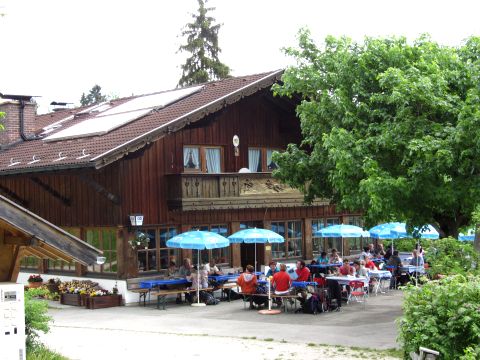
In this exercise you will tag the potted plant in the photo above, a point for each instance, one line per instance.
(140, 240)
(35, 281)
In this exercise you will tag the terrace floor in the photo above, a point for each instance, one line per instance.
(188, 332)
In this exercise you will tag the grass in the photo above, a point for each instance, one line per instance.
(43, 353)
(268, 339)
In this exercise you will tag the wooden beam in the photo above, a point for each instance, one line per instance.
(65, 200)
(53, 253)
(37, 253)
(16, 268)
(11, 195)
(20, 240)
(16, 249)
(100, 189)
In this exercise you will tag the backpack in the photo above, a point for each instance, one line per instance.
(312, 305)
(260, 300)
(232, 294)
(208, 298)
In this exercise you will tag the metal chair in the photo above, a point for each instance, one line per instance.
(357, 292)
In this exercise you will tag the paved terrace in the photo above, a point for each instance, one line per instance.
(135, 330)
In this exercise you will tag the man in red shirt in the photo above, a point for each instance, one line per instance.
(282, 281)
(303, 273)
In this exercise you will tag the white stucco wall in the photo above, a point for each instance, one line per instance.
(107, 284)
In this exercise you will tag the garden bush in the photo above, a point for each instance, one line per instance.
(449, 256)
(406, 244)
(443, 315)
(36, 318)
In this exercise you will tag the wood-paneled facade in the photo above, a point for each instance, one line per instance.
(151, 181)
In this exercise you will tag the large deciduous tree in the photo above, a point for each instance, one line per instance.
(389, 127)
(203, 64)
(93, 97)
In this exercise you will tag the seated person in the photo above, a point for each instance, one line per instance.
(365, 253)
(334, 257)
(360, 269)
(417, 260)
(199, 278)
(272, 268)
(282, 281)
(172, 269)
(396, 262)
(323, 258)
(370, 265)
(303, 272)
(380, 250)
(213, 268)
(346, 269)
(248, 283)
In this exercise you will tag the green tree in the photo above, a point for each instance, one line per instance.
(95, 96)
(202, 43)
(389, 127)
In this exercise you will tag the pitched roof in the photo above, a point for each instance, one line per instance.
(100, 150)
(44, 239)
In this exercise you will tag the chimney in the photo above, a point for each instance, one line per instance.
(19, 119)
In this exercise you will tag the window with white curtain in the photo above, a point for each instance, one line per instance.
(212, 156)
(255, 160)
(270, 163)
(191, 158)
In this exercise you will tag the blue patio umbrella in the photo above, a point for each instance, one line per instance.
(469, 236)
(256, 236)
(384, 231)
(198, 240)
(342, 231)
(400, 231)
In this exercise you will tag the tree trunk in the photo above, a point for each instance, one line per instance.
(476, 243)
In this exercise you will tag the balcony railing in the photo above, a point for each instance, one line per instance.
(199, 191)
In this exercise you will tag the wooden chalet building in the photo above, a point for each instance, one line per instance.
(168, 156)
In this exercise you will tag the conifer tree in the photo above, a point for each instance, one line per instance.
(202, 43)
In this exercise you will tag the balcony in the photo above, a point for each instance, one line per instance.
(200, 191)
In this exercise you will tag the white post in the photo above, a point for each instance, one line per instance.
(269, 295)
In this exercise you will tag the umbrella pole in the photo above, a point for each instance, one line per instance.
(255, 257)
(198, 282)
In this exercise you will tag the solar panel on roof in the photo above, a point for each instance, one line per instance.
(122, 114)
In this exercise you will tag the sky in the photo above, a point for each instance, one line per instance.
(58, 49)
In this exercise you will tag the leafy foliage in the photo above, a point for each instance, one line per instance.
(36, 318)
(42, 353)
(202, 43)
(449, 256)
(406, 244)
(2, 115)
(389, 127)
(443, 315)
(94, 96)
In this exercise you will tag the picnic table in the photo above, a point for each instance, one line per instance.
(345, 280)
(148, 284)
(324, 266)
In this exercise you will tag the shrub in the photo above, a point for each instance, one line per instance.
(449, 256)
(406, 244)
(36, 318)
(444, 316)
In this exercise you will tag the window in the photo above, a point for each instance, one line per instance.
(157, 256)
(318, 242)
(221, 255)
(355, 244)
(260, 159)
(106, 240)
(292, 247)
(30, 262)
(202, 159)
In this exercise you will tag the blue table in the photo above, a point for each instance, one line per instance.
(148, 284)
(378, 260)
(223, 278)
(412, 269)
(325, 266)
(300, 284)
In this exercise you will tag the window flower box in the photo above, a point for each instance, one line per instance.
(72, 299)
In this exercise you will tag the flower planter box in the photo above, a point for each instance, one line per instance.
(72, 299)
(100, 302)
(35, 284)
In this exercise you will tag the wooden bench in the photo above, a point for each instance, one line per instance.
(273, 296)
(133, 285)
(162, 295)
(226, 286)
